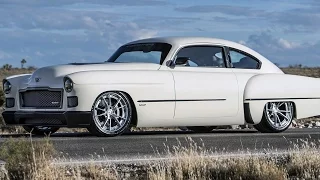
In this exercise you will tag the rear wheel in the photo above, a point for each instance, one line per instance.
(111, 114)
(277, 117)
(202, 129)
(40, 130)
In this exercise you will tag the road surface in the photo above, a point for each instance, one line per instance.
(83, 146)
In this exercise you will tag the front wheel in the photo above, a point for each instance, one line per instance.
(111, 114)
(201, 129)
(40, 130)
(277, 117)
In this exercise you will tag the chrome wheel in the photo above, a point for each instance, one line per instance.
(279, 114)
(111, 113)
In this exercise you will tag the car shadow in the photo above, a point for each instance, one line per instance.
(135, 133)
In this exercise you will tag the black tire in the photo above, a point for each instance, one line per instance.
(40, 130)
(95, 130)
(265, 125)
(201, 129)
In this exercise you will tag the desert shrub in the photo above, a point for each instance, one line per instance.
(25, 158)
(31, 68)
(7, 67)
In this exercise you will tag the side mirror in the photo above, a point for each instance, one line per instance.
(182, 61)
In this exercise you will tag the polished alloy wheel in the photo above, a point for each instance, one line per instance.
(111, 112)
(279, 114)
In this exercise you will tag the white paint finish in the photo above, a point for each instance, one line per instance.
(142, 85)
(282, 86)
(307, 107)
(145, 81)
(208, 84)
(16, 82)
(256, 110)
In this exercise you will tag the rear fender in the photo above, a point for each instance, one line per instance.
(304, 92)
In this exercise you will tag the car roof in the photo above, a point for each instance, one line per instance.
(184, 40)
(181, 40)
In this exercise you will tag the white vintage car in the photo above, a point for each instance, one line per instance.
(198, 83)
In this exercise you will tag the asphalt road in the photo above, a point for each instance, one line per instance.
(83, 146)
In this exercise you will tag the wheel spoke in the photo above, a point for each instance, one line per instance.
(100, 109)
(283, 116)
(105, 102)
(117, 102)
(109, 100)
(105, 123)
(284, 111)
(122, 106)
(280, 104)
(277, 117)
(103, 114)
(116, 120)
(116, 116)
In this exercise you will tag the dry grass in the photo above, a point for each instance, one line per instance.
(194, 162)
(33, 160)
(310, 72)
(14, 71)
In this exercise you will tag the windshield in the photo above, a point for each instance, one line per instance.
(142, 53)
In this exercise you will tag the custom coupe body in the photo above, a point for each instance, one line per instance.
(195, 82)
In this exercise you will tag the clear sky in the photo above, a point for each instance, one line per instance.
(65, 31)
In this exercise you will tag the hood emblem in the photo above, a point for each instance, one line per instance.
(37, 79)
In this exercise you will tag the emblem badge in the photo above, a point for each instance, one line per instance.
(37, 79)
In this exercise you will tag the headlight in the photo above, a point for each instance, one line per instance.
(68, 84)
(6, 87)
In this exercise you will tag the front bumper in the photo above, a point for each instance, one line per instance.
(71, 119)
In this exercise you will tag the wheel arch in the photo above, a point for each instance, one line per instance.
(253, 110)
(295, 114)
(134, 120)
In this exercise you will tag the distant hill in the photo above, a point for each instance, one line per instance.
(311, 72)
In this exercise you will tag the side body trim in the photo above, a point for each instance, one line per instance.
(182, 100)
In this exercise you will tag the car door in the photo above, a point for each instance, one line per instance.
(204, 87)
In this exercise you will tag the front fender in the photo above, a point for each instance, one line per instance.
(16, 82)
(139, 85)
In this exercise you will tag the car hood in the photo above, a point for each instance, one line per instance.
(53, 75)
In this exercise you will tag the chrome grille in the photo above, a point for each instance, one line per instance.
(41, 99)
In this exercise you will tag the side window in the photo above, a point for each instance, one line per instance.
(203, 56)
(243, 61)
